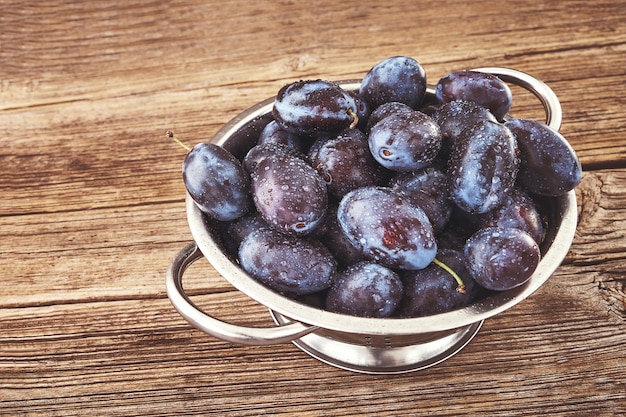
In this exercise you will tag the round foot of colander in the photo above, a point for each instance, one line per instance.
(388, 359)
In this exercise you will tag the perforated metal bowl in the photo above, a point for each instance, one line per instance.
(368, 345)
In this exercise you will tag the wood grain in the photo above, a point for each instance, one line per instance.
(92, 208)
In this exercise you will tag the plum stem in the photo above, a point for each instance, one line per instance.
(172, 136)
(461, 285)
(352, 114)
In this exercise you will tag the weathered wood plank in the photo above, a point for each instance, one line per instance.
(101, 351)
(126, 250)
(122, 144)
(88, 161)
(115, 354)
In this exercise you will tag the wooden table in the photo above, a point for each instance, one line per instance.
(92, 207)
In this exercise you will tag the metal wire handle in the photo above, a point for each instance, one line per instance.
(215, 327)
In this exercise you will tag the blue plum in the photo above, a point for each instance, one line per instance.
(365, 289)
(501, 258)
(549, 165)
(314, 107)
(288, 264)
(289, 194)
(217, 182)
(405, 141)
(481, 88)
(387, 228)
(398, 78)
(483, 166)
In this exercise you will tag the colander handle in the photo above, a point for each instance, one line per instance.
(211, 325)
(551, 103)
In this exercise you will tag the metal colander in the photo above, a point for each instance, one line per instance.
(368, 345)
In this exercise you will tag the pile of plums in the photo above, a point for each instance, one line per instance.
(387, 201)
